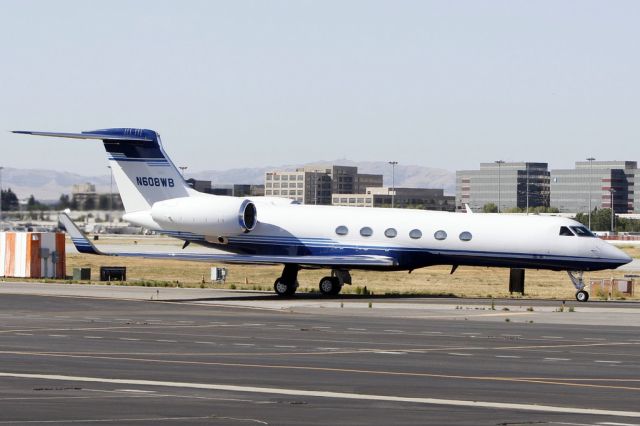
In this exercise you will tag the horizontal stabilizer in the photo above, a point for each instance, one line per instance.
(87, 135)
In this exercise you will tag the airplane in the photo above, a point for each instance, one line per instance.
(273, 230)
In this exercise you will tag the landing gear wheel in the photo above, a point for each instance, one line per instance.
(582, 296)
(284, 289)
(330, 286)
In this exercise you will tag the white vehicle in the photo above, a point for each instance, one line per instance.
(271, 230)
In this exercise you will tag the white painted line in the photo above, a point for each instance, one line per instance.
(206, 343)
(459, 354)
(511, 335)
(243, 344)
(284, 346)
(128, 338)
(57, 335)
(432, 332)
(357, 329)
(252, 324)
(607, 362)
(552, 337)
(166, 341)
(92, 337)
(117, 319)
(334, 395)
(557, 359)
(594, 338)
(394, 331)
(24, 334)
(328, 349)
(185, 322)
(508, 356)
(284, 325)
(134, 390)
(618, 424)
(390, 353)
(321, 328)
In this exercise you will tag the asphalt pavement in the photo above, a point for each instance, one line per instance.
(89, 355)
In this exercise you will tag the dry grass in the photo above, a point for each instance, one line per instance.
(466, 282)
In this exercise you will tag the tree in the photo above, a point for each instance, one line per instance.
(103, 202)
(89, 204)
(9, 200)
(490, 208)
(63, 202)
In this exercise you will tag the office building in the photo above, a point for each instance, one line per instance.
(507, 185)
(571, 189)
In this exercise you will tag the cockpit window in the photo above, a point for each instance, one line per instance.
(581, 231)
(566, 232)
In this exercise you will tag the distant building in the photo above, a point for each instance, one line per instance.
(85, 197)
(236, 190)
(422, 198)
(571, 188)
(317, 184)
(507, 185)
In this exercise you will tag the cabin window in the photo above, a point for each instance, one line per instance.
(342, 230)
(366, 231)
(465, 236)
(440, 235)
(390, 233)
(581, 231)
(415, 234)
(565, 232)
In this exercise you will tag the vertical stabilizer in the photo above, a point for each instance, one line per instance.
(142, 170)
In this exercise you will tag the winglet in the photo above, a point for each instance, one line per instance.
(467, 208)
(80, 240)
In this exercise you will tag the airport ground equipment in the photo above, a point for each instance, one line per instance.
(32, 254)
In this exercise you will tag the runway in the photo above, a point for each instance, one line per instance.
(245, 358)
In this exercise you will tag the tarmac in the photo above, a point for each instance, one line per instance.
(89, 354)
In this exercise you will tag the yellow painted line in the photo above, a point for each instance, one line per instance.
(542, 380)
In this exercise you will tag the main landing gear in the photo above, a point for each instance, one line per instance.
(287, 283)
(331, 286)
(576, 278)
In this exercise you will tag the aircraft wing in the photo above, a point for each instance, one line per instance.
(84, 245)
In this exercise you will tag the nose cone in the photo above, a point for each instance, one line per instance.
(616, 256)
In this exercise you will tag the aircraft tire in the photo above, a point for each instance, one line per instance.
(582, 296)
(284, 289)
(330, 286)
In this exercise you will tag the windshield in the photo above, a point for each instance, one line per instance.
(582, 231)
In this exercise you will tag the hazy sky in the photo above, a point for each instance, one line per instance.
(253, 83)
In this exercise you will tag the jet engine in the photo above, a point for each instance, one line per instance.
(218, 216)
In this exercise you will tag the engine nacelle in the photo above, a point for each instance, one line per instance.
(217, 216)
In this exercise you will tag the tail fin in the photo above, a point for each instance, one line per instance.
(142, 170)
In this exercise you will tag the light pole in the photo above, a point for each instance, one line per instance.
(315, 187)
(110, 193)
(527, 170)
(590, 160)
(499, 163)
(612, 191)
(393, 183)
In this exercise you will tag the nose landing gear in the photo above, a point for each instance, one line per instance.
(576, 278)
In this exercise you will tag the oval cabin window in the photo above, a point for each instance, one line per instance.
(440, 235)
(342, 230)
(465, 236)
(390, 233)
(415, 234)
(366, 231)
